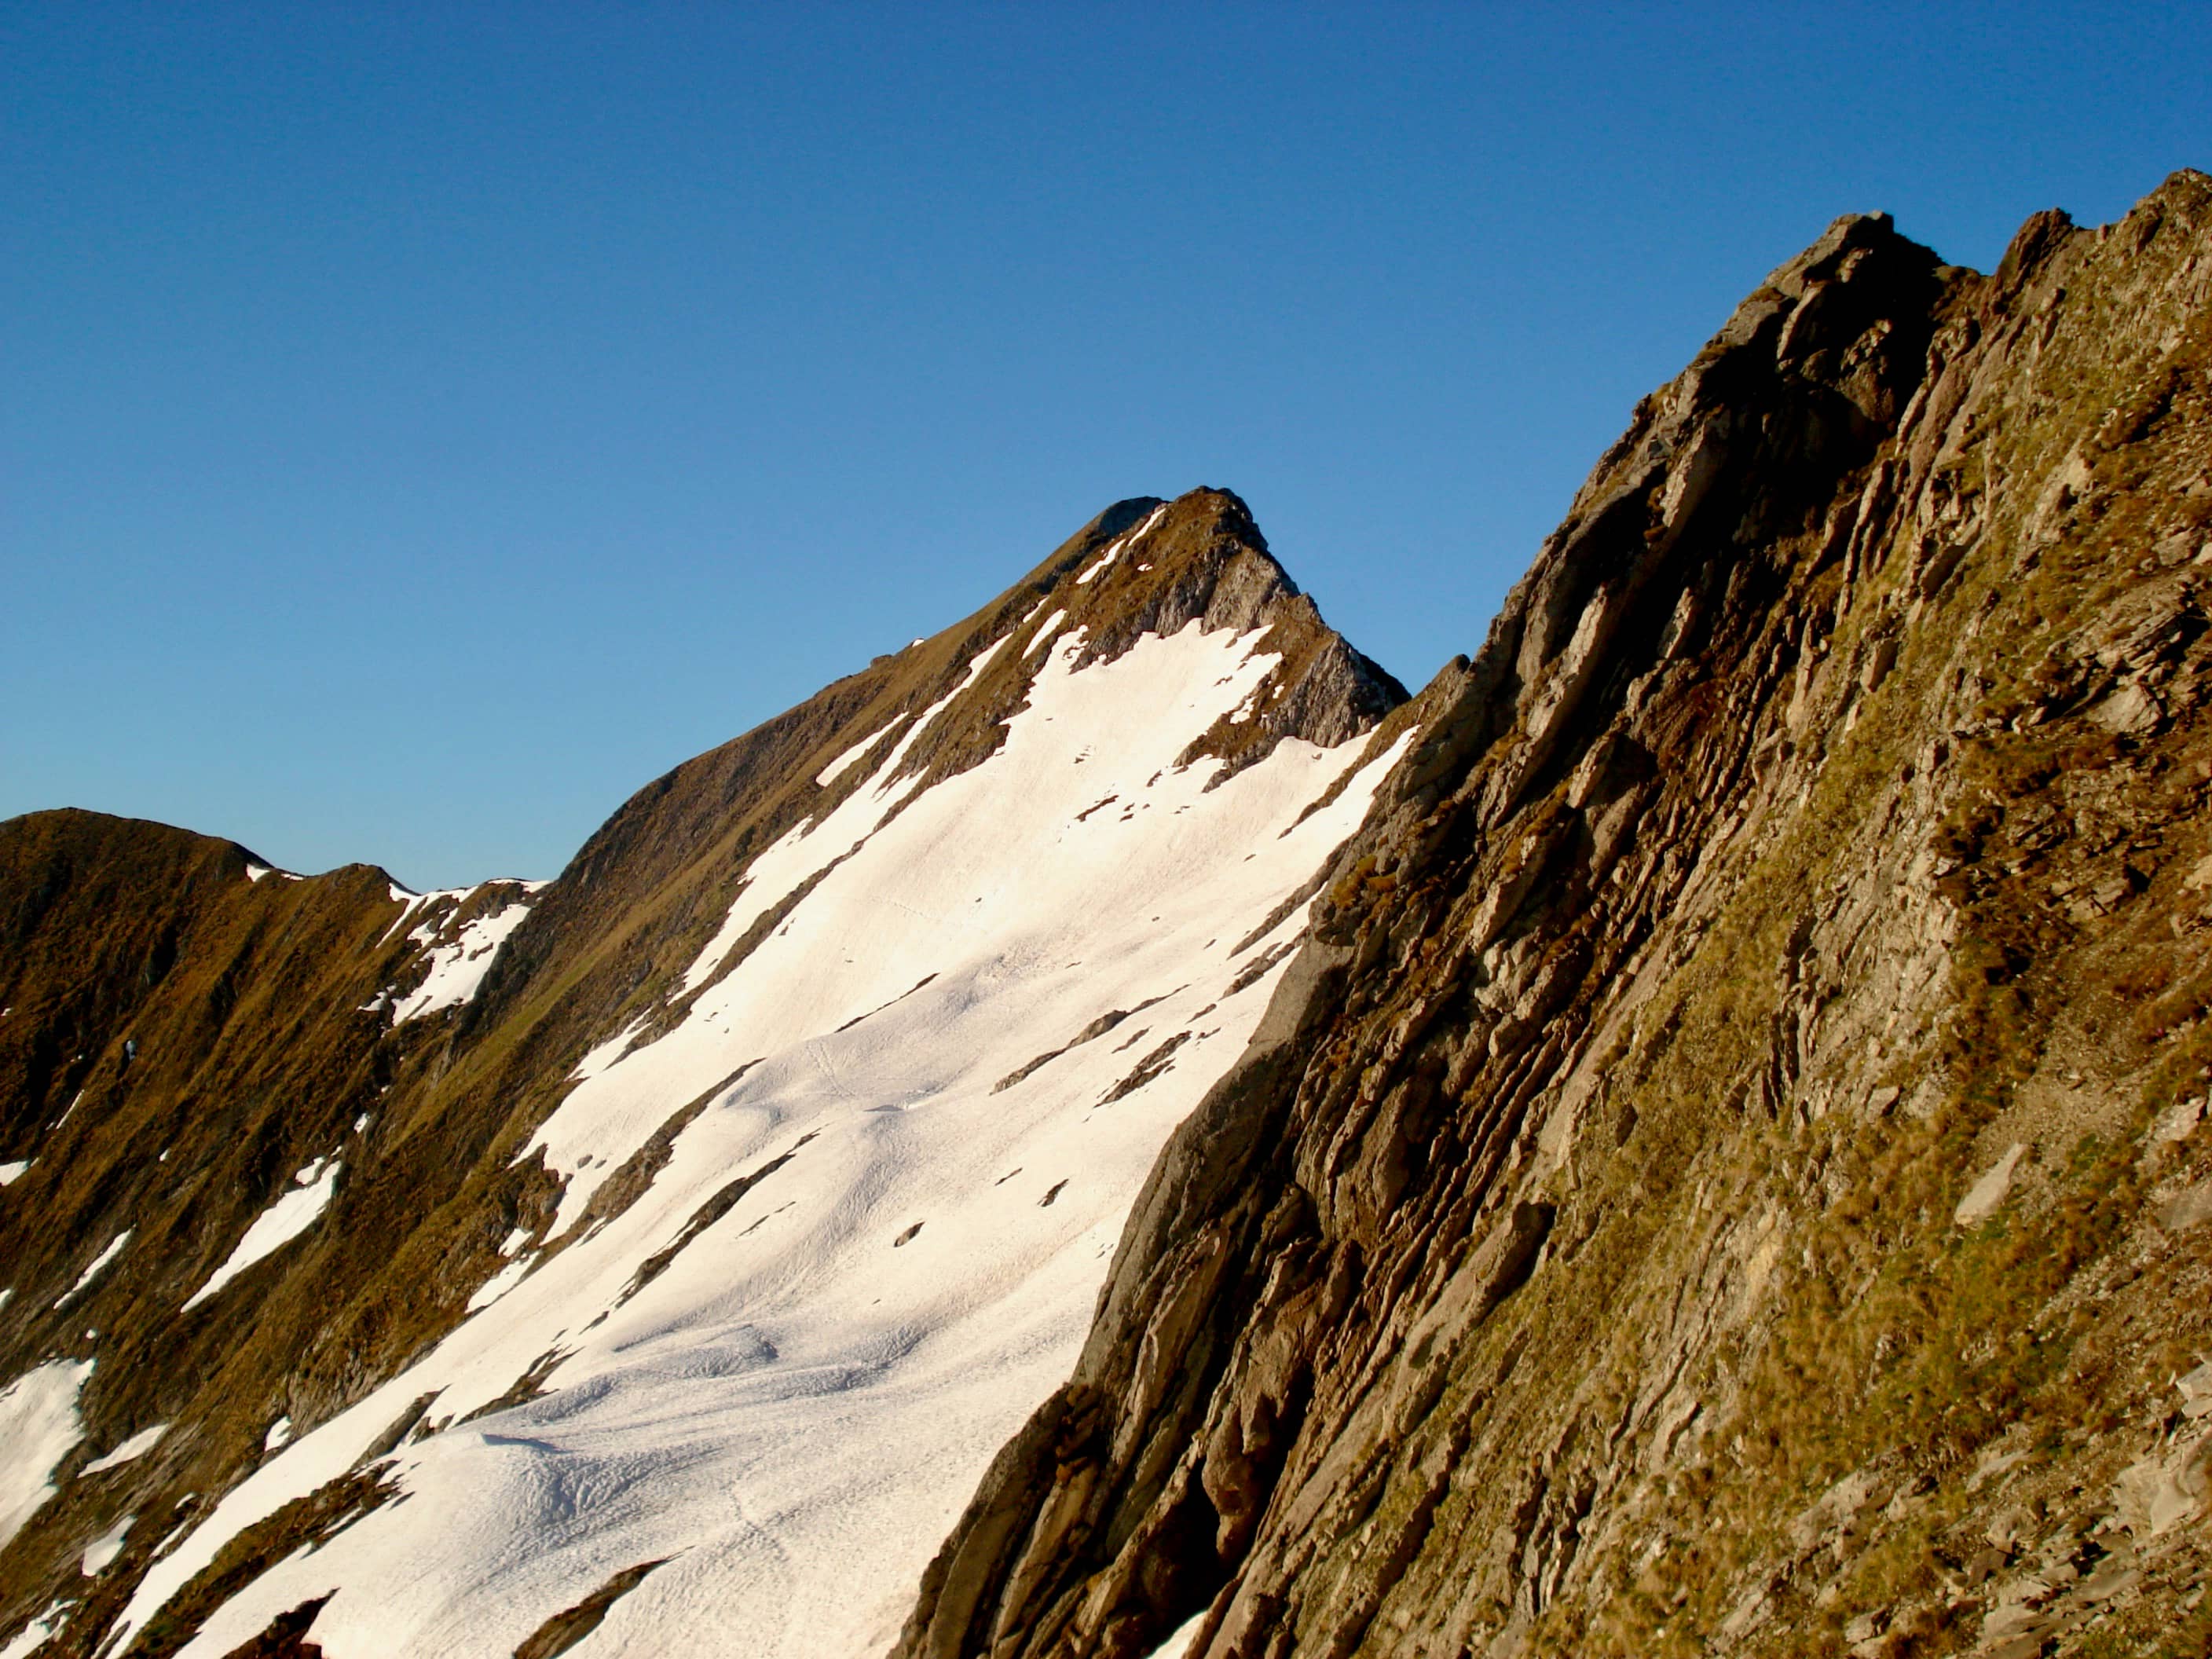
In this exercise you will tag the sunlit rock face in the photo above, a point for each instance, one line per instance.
(1724, 1173)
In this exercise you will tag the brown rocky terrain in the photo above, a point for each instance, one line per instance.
(1726, 1173)
(183, 1037)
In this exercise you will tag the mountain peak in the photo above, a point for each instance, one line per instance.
(794, 1073)
(1145, 567)
(1200, 558)
(1153, 564)
(657, 874)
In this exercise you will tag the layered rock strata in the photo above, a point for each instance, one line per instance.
(1726, 1172)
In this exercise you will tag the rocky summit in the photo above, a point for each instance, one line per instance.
(1112, 1132)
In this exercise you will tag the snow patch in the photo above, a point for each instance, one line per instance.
(169, 1540)
(1044, 634)
(1115, 550)
(135, 1447)
(845, 763)
(291, 1214)
(101, 1553)
(458, 969)
(99, 1264)
(35, 1635)
(1105, 562)
(408, 903)
(39, 1425)
(12, 1173)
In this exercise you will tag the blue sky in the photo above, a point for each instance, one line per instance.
(424, 425)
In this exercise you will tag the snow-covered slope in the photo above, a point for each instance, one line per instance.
(814, 1216)
(791, 1411)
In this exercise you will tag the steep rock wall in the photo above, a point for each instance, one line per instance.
(1723, 1175)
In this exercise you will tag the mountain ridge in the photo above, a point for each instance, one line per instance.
(1465, 1315)
(375, 1180)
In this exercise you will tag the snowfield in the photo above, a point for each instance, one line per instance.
(40, 1426)
(782, 1371)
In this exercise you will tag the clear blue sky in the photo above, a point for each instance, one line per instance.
(421, 425)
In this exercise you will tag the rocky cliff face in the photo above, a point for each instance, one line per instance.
(1725, 1173)
(684, 1233)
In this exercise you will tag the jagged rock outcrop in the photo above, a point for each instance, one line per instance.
(1725, 1173)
